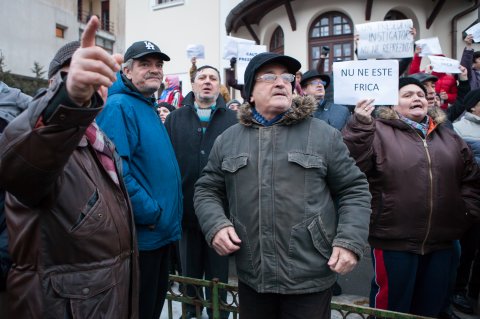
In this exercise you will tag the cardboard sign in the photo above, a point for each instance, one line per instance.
(385, 39)
(475, 31)
(366, 79)
(231, 50)
(245, 53)
(195, 50)
(442, 64)
(429, 46)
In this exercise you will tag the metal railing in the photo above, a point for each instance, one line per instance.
(105, 24)
(178, 293)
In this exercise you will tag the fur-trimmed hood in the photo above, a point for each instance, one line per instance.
(387, 113)
(302, 108)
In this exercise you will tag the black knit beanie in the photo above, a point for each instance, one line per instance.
(471, 99)
(403, 81)
(62, 57)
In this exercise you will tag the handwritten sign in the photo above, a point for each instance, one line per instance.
(195, 50)
(442, 64)
(230, 49)
(475, 31)
(385, 39)
(371, 79)
(245, 53)
(429, 46)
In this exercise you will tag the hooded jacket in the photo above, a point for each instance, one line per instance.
(192, 146)
(71, 232)
(280, 182)
(150, 168)
(424, 190)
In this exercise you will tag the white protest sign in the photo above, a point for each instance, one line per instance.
(195, 50)
(230, 49)
(245, 53)
(429, 46)
(385, 39)
(366, 79)
(475, 31)
(442, 64)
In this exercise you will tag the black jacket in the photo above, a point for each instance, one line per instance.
(192, 147)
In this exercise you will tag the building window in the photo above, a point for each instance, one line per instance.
(106, 44)
(331, 32)
(277, 41)
(160, 4)
(60, 31)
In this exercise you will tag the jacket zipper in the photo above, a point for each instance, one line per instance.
(430, 213)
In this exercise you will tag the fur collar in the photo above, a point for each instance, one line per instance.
(302, 108)
(387, 113)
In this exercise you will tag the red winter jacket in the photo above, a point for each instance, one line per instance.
(446, 82)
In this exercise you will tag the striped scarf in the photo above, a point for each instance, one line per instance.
(422, 126)
(96, 138)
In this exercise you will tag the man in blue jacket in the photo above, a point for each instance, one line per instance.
(315, 84)
(150, 169)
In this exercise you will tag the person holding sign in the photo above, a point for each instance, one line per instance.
(425, 189)
(289, 245)
(314, 84)
(471, 60)
(72, 236)
(446, 85)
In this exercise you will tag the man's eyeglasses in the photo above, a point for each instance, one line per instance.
(317, 82)
(270, 78)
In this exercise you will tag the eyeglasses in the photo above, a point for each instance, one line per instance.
(317, 82)
(270, 77)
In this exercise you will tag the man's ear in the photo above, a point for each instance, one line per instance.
(252, 100)
(127, 73)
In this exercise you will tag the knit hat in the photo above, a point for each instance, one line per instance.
(471, 99)
(62, 57)
(265, 58)
(166, 105)
(313, 74)
(404, 81)
(233, 101)
(141, 48)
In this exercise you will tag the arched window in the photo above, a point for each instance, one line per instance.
(394, 15)
(277, 41)
(332, 31)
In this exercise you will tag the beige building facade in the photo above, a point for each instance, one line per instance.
(33, 30)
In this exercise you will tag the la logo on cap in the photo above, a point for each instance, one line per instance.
(149, 45)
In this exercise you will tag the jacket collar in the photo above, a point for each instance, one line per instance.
(387, 113)
(302, 108)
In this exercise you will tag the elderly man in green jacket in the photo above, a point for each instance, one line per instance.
(299, 207)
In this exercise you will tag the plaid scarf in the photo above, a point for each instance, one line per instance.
(96, 138)
(422, 126)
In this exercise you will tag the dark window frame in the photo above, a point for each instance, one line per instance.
(277, 41)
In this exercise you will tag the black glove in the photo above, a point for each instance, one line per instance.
(233, 61)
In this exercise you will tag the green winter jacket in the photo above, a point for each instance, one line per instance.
(293, 194)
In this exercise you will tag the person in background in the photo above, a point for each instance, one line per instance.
(233, 105)
(193, 129)
(467, 283)
(70, 222)
(172, 93)
(446, 85)
(150, 168)
(471, 60)
(289, 246)
(425, 188)
(163, 109)
(314, 84)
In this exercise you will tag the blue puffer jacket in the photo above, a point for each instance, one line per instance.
(150, 169)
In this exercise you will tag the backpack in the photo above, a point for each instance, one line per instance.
(12, 103)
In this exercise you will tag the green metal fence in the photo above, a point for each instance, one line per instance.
(178, 293)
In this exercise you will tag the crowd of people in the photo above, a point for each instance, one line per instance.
(107, 178)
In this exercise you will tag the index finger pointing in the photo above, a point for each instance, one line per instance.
(88, 36)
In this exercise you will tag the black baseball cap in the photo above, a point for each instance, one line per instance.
(262, 59)
(423, 77)
(141, 48)
(314, 74)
